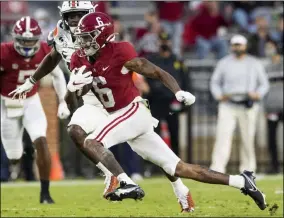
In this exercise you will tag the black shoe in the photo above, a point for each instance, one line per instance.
(46, 199)
(126, 191)
(251, 190)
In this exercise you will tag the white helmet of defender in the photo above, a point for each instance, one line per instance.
(74, 6)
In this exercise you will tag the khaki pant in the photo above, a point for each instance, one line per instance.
(229, 115)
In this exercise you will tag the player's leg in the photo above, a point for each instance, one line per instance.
(11, 136)
(245, 182)
(85, 120)
(151, 147)
(182, 193)
(34, 121)
(175, 167)
(119, 127)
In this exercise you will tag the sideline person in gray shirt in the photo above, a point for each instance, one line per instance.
(238, 83)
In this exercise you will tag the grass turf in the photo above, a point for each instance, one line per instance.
(84, 198)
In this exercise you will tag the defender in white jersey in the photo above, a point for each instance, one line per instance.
(83, 120)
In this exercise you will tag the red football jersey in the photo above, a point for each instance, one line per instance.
(15, 69)
(112, 83)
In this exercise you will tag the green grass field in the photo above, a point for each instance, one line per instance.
(83, 198)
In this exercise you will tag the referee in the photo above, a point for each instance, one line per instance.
(238, 83)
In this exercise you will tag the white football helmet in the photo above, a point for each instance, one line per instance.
(74, 6)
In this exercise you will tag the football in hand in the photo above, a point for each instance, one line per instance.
(86, 88)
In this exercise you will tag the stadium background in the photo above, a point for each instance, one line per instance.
(197, 124)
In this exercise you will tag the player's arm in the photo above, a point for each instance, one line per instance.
(77, 81)
(47, 65)
(150, 70)
(72, 101)
(59, 85)
(50, 61)
(70, 97)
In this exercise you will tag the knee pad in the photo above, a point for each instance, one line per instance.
(14, 154)
(37, 134)
(169, 168)
(13, 148)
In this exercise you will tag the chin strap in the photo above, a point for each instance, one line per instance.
(72, 29)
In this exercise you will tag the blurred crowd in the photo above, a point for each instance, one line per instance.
(198, 28)
(174, 31)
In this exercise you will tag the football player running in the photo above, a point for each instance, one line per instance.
(19, 59)
(83, 120)
(111, 65)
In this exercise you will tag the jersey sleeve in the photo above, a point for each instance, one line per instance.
(73, 62)
(50, 38)
(126, 52)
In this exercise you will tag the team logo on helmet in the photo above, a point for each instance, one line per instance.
(73, 4)
(26, 33)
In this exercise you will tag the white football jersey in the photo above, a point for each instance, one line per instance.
(61, 40)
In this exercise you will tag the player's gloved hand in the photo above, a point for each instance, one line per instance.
(186, 97)
(22, 90)
(79, 79)
(63, 111)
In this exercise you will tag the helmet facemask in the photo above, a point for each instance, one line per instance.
(26, 46)
(87, 43)
(65, 19)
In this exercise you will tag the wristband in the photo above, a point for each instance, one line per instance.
(32, 80)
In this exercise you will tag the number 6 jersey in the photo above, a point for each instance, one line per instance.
(15, 69)
(112, 83)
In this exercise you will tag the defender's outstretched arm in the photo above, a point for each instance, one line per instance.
(47, 65)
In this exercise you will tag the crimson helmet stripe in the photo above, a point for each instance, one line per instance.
(28, 24)
(73, 4)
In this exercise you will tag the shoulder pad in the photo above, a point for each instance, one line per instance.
(54, 33)
(50, 38)
(58, 30)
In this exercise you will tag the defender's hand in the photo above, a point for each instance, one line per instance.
(79, 79)
(63, 111)
(186, 97)
(22, 90)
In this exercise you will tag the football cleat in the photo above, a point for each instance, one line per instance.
(186, 203)
(126, 191)
(251, 190)
(46, 199)
(111, 183)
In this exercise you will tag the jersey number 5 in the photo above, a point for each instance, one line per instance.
(105, 94)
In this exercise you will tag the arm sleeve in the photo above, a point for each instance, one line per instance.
(73, 62)
(59, 83)
(216, 82)
(263, 82)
